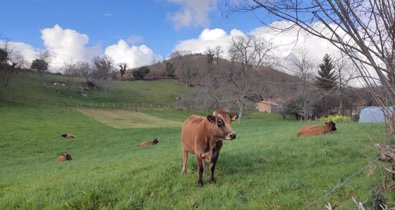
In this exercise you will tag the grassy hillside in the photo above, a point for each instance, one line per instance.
(28, 88)
(266, 167)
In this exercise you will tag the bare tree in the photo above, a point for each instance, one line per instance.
(210, 53)
(104, 68)
(233, 85)
(363, 29)
(345, 73)
(188, 71)
(122, 69)
(8, 67)
(70, 70)
(218, 53)
(214, 54)
(304, 70)
(84, 70)
(248, 53)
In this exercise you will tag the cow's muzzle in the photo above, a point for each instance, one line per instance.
(231, 136)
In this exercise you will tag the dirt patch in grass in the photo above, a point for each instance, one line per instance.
(128, 119)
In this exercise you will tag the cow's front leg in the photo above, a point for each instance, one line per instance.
(213, 161)
(200, 169)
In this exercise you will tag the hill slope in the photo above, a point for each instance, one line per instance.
(28, 88)
(283, 84)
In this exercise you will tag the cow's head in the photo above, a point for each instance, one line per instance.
(332, 125)
(155, 141)
(221, 124)
(67, 156)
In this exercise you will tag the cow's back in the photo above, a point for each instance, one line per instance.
(313, 130)
(189, 131)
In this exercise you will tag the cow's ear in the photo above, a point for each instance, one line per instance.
(211, 118)
(233, 116)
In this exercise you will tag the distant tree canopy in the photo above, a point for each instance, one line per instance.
(8, 68)
(140, 73)
(3, 56)
(327, 78)
(170, 69)
(40, 65)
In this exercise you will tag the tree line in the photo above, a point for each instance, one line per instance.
(236, 82)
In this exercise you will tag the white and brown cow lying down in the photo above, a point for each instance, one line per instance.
(147, 143)
(68, 136)
(203, 137)
(315, 130)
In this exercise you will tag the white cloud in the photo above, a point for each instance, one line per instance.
(208, 39)
(67, 46)
(284, 43)
(292, 38)
(134, 56)
(21, 49)
(193, 13)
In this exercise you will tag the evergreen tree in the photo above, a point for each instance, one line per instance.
(327, 78)
(140, 73)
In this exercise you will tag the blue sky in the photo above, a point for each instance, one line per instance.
(105, 22)
(139, 32)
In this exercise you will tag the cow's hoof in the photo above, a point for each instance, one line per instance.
(200, 183)
(212, 181)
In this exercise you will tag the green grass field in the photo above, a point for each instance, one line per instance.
(266, 167)
(128, 119)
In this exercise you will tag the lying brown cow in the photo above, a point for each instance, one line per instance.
(312, 130)
(63, 157)
(147, 143)
(203, 137)
(68, 136)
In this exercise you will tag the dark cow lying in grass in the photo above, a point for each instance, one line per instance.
(147, 143)
(315, 130)
(68, 136)
(63, 157)
(203, 137)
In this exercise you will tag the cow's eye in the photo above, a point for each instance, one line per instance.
(220, 123)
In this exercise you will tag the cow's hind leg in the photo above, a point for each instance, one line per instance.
(184, 162)
(213, 161)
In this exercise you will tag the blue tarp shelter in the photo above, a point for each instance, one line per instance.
(372, 114)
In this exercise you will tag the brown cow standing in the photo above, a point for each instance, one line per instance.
(203, 137)
(312, 130)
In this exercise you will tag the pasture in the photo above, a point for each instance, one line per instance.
(266, 167)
